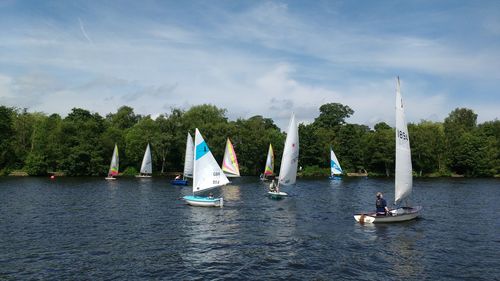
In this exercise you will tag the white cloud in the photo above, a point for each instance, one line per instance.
(264, 60)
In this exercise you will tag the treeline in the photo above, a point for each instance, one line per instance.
(82, 142)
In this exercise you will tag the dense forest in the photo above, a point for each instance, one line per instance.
(82, 142)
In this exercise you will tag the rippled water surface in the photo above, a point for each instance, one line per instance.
(90, 229)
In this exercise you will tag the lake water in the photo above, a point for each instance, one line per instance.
(91, 229)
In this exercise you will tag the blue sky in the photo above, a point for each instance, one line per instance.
(252, 57)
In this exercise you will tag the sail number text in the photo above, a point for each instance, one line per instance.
(216, 177)
(402, 135)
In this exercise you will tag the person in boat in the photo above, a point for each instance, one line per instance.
(381, 205)
(178, 177)
(272, 186)
(210, 195)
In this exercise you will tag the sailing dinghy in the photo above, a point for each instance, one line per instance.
(335, 169)
(188, 163)
(113, 167)
(230, 165)
(146, 166)
(269, 168)
(404, 181)
(289, 160)
(206, 175)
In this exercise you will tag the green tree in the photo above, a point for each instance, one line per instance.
(316, 142)
(251, 139)
(169, 142)
(212, 123)
(491, 130)
(36, 165)
(44, 144)
(459, 122)
(82, 132)
(7, 155)
(380, 149)
(23, 130)
(427, 143)
(124, 118)
(332, 115)
(349, 147)
(137, 138)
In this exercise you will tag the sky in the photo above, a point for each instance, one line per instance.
(267, 58)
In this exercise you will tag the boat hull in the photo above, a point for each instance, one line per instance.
(277, 195)
(202, 201)
(143, 176)
(110, 178)
(396, 215)
(179, 182)
(335, 177)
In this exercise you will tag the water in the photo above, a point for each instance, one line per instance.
(91, 229)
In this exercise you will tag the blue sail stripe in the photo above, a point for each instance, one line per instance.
(201, 150)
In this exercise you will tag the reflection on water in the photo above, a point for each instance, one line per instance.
(405, 256)
(231, 192)
(203, 233)
(139, 229)
(398, 244)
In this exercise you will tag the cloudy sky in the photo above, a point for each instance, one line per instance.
(252, 57)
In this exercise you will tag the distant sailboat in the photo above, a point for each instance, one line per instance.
(230, 162)
(206, 175)
(146, 166)
(404, 181)
(289, 160)
(188, 163)
(269, 168)
(335, 169)
(113, 167)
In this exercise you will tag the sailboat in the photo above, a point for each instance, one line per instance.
(335, 169)
(404, 181)
(206, 175)
(289, 160)
(146, 166)
(269, 168)
(188, 163)
(230, 162)
(113, 167)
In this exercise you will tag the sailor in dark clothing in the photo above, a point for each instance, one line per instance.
(381, 205)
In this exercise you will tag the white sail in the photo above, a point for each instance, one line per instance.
(403, 183)
(334, 164)
(146, 166)
(230, 162)
(206, 173)
(290, 158)
(113, 167)
(188, 159)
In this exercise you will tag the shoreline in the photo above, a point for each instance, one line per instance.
(170, 174)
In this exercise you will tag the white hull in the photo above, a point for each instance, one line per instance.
(397, 215)
(110, 178)
(204, 202)
(277, 194)
(143, 176)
